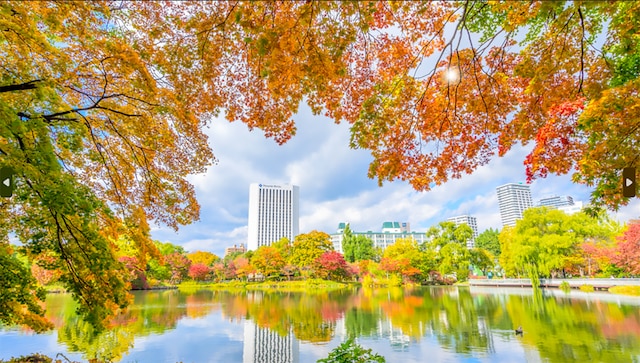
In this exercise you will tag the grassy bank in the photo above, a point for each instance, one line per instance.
(625, 290)
(302, 285)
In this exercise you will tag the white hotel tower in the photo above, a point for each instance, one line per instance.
(273, 214)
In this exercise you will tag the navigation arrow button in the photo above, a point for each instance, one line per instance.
(629, 184)
(6, 186)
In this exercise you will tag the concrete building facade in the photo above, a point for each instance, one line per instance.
(273, 214)
(389, 234)
(513, 200)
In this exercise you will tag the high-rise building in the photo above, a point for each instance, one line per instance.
(513, 200)
(273, 214)
(471, 222)
(556, 201)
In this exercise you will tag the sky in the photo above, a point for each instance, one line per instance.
(334, 186)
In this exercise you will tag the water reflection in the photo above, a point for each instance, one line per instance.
(263, 345)
(453, 324)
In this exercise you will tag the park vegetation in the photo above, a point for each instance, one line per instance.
(104, 106)
(545, 243)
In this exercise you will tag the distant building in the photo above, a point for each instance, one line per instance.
(390, 232)
(471, 222)
(513, 200)
(273, 214)
(234, 249)
(556, 201)
(571, 209)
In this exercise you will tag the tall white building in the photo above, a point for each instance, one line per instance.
(513, 200)
(471, 222)
(273, 213)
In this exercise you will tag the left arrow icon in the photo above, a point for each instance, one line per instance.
(6, 186)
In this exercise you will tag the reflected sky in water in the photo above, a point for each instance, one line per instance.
(403, 325)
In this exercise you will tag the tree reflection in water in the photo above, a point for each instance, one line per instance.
(465, 322)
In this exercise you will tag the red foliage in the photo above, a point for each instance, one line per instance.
(627, 252)
(137, 276)
(332, 265)
(179, 265)
(199, 271)
(556, 145)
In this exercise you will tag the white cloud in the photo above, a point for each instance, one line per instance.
(334, 186)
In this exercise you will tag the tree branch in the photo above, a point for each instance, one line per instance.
(20, 86)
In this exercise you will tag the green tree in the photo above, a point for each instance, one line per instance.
(357, 247)
(482, 259)
(307, 247)
(454, 258)
(546, 242)
(447, 231)
(489, 241)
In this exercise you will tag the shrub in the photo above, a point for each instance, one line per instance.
(587, 288)
(351, 352)
(564, 286)
(625, 290)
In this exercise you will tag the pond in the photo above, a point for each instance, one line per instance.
(435, 324)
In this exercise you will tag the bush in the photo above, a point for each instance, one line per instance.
(587, 288)
(625, 290)
(564, 286)
(350, 352)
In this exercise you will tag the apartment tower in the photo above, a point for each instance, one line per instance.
(513, 200)
(273, 214)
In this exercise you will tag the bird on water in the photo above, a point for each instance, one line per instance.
(519, 331)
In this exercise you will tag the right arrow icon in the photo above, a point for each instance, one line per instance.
(629, 182)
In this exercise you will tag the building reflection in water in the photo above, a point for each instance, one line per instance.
(262, 345)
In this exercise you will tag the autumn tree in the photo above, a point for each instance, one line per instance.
(627, 251)
(204, 257)
(268, 261)
(332, 265)
(283, 246)
(103, 104)
(199, 271)
(406, 259)
(307, 247)
(101, 138)
(178, 265)
(162, 267)
(432, 89)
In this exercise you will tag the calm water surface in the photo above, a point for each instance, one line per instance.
(404, 325)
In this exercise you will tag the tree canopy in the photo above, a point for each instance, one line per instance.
(103, 105)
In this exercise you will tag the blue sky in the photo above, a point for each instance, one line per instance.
(334, 186)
